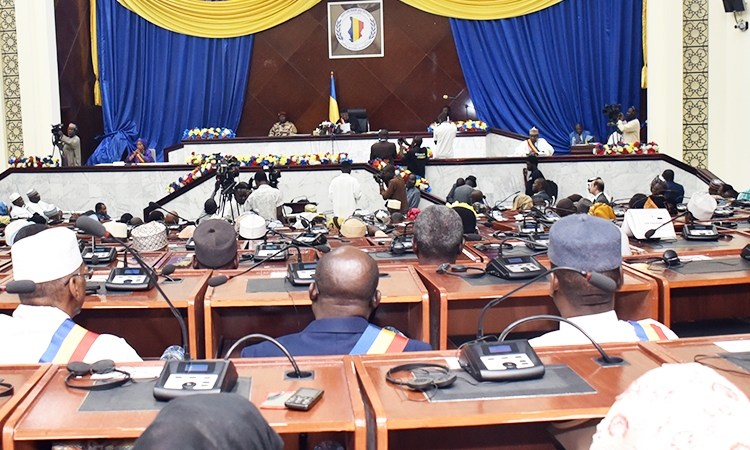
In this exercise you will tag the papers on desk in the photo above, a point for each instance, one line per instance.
(738, 346)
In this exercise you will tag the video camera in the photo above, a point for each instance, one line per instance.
(613, 113)
(273, 175)
(56, 130)
(227, 170)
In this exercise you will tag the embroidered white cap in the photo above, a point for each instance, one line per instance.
(14, 196)
(149, 237)
(116, 229)
(46, 256)
(702, 206)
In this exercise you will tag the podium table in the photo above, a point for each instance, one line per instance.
(263, 301)
(455, 303)
(51, 412)
(404, 418)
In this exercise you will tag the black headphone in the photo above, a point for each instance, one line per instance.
(79, 369)
(436, 376)
(670, 258)
(398, 246)
(460, 270)
(7, 389)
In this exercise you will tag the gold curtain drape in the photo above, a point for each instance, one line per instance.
(644, 70)
(223, 19)
(481, 9)
(95, 55)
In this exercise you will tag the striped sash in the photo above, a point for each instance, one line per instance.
(70, 342)
(649, 332)
(376, 341)
(532, 147)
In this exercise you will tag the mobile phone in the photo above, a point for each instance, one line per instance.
(304, 399)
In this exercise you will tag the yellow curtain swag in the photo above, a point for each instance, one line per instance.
(221, 19)
(481, 9)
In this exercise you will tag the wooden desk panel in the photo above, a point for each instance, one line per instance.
(700, 296)
(143, 318)
(683, 246)
(23, 378)
(395, 409)
(685, 350)
(52, 414)
(230, 312)
(455, 304)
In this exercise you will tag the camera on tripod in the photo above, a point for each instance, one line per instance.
(613, 113)
(227, 170)
(56, 130)
(273, 175)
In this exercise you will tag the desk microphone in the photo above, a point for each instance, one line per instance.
(155, 205)
(651, 232)
(19, 287)
(594, 278)
(605, 359)
(518, 238)
(167, 271)
(221, 279)
(299, 374)
(95, 228)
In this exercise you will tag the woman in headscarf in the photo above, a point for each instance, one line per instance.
(141, 154)
(209, 422)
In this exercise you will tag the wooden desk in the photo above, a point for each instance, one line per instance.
(401, 421)
(143, 318)
(183, 259)
(686, 247)
(455, 304)
(51, 412)
(685, 350)
(231, 312)
(23, 377)
(699, 296)
(381, 254)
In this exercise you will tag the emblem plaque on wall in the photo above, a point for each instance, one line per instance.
(355, 29)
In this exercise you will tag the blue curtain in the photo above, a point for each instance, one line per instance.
(555, 67)
(155, 83)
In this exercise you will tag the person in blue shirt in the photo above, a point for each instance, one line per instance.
(675, 192)
(580, 136)
(344, 295)
(101, 211)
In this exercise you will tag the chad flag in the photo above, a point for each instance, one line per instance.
(355, 33)
(333, 104)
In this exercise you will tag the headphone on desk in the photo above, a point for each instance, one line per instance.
(435, 376)
(7, 389)
(460, 270)
(79, 369)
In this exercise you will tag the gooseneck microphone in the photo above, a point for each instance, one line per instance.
(158, 206)
(95, 228)
(19, 287)
(506, 198)
(651, 232)
(594, 278)
(605, 358)
(221, 279)
(296, 374)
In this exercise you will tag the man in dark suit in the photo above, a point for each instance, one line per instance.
(344, 295)
(383, 149)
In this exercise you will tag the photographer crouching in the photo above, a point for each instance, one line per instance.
(392, 188)
(70, 145)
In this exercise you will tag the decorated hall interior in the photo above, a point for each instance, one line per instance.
(146, 131)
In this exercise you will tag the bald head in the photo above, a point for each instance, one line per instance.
(346, 284)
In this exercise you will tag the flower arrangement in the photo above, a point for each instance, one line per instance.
(34, 162)
(206, 164)
(468, 126)
(637, 148)
(422, 183)
(325, 128)
(191, 134)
